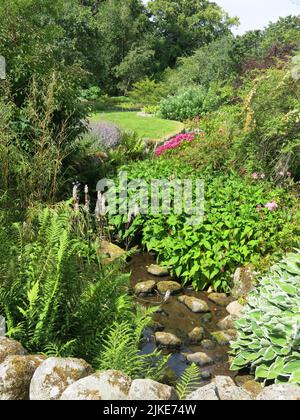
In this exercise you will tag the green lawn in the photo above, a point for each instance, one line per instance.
(147, 127)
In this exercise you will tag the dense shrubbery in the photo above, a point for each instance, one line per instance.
(194, 102)
(269, 331)
(239, 225)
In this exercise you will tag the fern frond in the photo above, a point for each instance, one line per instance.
(188, 381)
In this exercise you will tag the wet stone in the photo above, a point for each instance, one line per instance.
(208, 344)
(194, 304)
(168, 286)
(223, 338)
(196, 335)
(219, 298)
(168, 340)
(201, 359)
(157, 270)
(144, 288)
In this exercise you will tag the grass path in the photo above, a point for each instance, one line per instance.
(147, 127)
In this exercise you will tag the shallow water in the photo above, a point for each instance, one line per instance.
(176, 318)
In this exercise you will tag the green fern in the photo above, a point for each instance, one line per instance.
(121, 350)
(188, 381)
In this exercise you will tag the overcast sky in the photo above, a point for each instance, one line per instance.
(256, 14)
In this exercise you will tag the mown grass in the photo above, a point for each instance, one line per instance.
(146, 127)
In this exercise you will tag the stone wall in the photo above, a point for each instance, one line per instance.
(37, 377)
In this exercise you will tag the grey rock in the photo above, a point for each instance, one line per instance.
(147, 389)
(157, 270)
(235, 309)
(15, 376)
(227, 323)
(196, 335)
(168, 286)
(219, 298)
(144, 287)
(223, 338)
(194, 304)
(228, 391)
(206, 393)
(110, 385)
(201, 359)
(2, 326)
(10, 347)
(167, 339)
(280, 392)
(54, 375)
(208, 344)
(243, 281)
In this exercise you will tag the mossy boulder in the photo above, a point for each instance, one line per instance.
(144, 287)
(109, 386)
(157, 270)
(15, 376)
(169, 340)
(54, 375)
(194, 304)
(168, 286)
(10, 347)
(147, 389)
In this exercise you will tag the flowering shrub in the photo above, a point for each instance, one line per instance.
(174, 143)
(107, 133)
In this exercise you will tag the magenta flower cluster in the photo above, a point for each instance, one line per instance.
(174, 143)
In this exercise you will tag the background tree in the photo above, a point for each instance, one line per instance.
(186, 25)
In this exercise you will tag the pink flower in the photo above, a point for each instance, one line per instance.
(255, 175)
(174, 143)
(271, 206)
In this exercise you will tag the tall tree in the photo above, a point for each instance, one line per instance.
(186, 25)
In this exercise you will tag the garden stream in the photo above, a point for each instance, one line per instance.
(174, 317)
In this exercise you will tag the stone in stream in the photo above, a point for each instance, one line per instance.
(196, 335)
(201, 359)
(227, 323)
(208, 344)
(172, 286)
(206, 318)
(220, 299)
(194, 304)
(235, 309)
(157, 270)
(223, 338)
(167, 339)
(144, 287)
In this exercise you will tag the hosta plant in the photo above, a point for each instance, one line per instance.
(269, 332)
